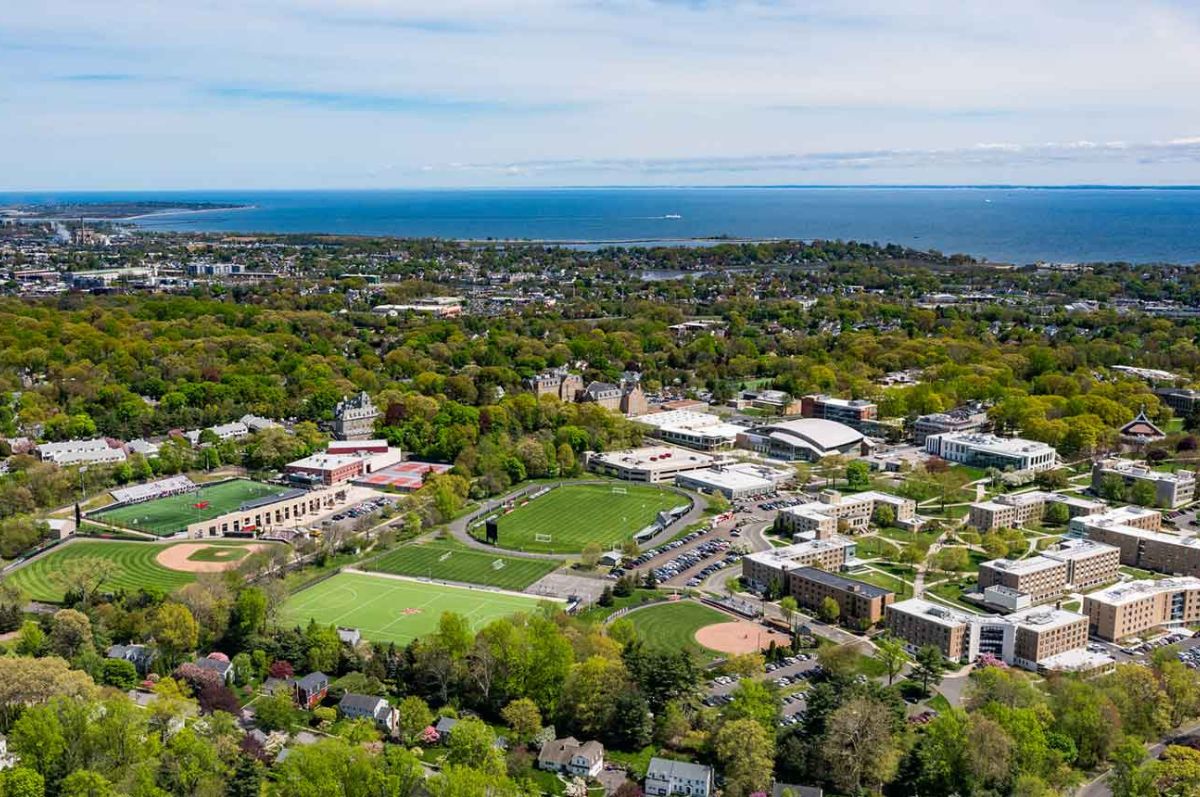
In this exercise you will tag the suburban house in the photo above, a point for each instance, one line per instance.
(664, 776)
(6, 760)
(140, 656)
(222, 667)
(445, 727)
(571, 757)
(311, 690)
(370, 707)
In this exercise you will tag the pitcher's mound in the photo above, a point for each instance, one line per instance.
(739, 637)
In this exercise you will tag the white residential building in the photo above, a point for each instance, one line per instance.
(989, 451)
(80, 452)
(664, 777)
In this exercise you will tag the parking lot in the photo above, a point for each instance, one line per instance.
(787, 675)
(1187, 645)
(347, 517)
(678, 563)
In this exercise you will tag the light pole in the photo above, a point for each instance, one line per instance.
(82, 493)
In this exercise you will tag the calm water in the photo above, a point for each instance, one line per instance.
(1018, 225)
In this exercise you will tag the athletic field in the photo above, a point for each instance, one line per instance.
(165, 516)
(137, 561)
(452, 561)
(673, 626)
(387, 609)
(567, 518)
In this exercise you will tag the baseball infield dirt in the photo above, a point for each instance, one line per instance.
(177, 557)
(739, 637)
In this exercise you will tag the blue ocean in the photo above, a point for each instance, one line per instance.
(1005, 224)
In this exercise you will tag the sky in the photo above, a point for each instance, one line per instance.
(260, 94)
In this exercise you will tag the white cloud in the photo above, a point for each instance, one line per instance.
(272, 92)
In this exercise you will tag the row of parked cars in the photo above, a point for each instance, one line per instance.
(648, 554)
(782, 503)
(1153, 644)
(364, 509)
(688, 560)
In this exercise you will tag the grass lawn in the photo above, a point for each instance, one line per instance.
(136, 560)
(875, 547)
(923, 538)
(448, 560)
(165, 516)
(673, 626)
(574, 515)
(871, 666)
(952, 591)
(224, 553)
(396, 610)
(597, 613)
(902, 588)
(897, 570)
(92, 530)
(1140, 575)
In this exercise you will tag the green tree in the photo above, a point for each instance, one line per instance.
(175, 632)
(830, 610)
(788, 608)
(523, 717)
(858, 474)
(745, 751)
(473, 744)
(413, 717)
(276, 712)
(70, 633)
(929, 666)
(85, 783)
(22, 782)
(859, 750)
(30, 639)
(889, 651)
(119, 673)
(753, 700)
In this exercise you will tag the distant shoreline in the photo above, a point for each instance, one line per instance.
(184, 212)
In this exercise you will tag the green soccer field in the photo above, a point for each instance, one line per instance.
(673, 626)
(387, 609)
(137, 561)
(165, 516)
(573, 515)
(452, 561)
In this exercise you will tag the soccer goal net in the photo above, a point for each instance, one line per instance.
(543, 538)
(620, 491)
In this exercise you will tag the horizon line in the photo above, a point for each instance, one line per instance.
(626, 187)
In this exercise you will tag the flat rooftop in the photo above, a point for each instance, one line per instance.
(655, 457)
(729, 479)
(932, 612)
(1030, 565)
(841, 582)
(990, 442)
(1042, 618)
(1139, 470)
(786, 556)
(1131, 591)
(1077, 549)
